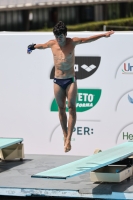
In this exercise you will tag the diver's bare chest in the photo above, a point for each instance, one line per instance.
(63, 51)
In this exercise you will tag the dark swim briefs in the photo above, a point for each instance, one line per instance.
(64, 82)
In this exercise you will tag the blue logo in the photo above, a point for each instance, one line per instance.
(130, 99)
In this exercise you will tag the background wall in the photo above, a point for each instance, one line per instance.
(104, 69)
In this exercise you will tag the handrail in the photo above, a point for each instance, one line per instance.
(26, 3)
(118, 27)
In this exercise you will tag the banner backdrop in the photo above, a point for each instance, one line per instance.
(28, 110)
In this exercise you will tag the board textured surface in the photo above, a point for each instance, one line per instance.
(5, 142)
(89, 163)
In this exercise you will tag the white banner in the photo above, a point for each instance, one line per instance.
(28, 110)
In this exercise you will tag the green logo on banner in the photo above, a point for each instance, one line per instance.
(86, 99)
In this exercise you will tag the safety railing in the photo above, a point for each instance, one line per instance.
(23, 3)
(118, 28)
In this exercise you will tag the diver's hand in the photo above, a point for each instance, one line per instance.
(30, 48)
(107, 34)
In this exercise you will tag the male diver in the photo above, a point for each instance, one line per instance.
(65, 84)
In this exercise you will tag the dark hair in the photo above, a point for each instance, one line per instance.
(60, 28)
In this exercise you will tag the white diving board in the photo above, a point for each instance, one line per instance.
(89, 163)
(11, 148)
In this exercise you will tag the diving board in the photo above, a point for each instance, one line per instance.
(89, 163)
(11, 148)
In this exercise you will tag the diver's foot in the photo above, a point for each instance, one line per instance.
(67, 146)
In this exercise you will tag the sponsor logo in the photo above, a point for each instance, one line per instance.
(86, 99)
(84, 66)
(77, 131)
(127, 68)
(130, 99)
(123, 102)
(83, 130)
(126, 134)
